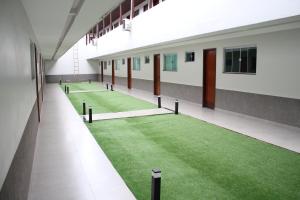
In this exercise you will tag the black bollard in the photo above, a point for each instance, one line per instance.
(90, 115)
(156, 179)
(65, 88)
(90, 81)
(68, 91)
(83, 109)
(159, 102)
(111, 87)
(107, 86)
(59, 82)
(176, 107)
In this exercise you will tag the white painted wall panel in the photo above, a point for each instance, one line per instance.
(17, 90)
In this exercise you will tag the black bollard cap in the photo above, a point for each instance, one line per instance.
(156, 173)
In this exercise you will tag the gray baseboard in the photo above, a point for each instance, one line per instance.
(180, 91)
(71, 78)
(107, 78)
(121, 81)
(142, 84)
(278, 109)
(136, 83)
(16, 184)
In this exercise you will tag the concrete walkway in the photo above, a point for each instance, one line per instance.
(128, 114)
(271, 132)
(68, 162)
(85, 91)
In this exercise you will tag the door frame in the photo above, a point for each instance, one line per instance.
(156, 74)
(129, 74)
(37, 82)
(101, 68)
(204, 103)
(112, 72)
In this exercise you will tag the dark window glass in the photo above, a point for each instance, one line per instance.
(147, 59)
(228, 60)
(244, 59)
(236, 60)
(240, 60)
(252, 60)
(155, 2)
(136, 13)
(189, 56)
(145, 7)
(123, 61)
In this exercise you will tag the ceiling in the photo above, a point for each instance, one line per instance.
(49, 19)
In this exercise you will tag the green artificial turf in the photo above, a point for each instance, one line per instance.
(108, 101)
(83, 86)
(198, 160)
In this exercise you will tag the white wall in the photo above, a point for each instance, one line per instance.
(277, 65)
(65, 64)
(17, 90)
(176, 19)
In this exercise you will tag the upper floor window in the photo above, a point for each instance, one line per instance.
(189, 56)
(136, 13)
(145, 8)
(136, 64)
(240, 60)
(170, 62)
(147, 59)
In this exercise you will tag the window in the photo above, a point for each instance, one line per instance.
(147, 59)
(123, 61)
(109, 62)
(170, 62)
(118, 64)
(145, 8)
(136, 64)
(240, 60)
(136, 13)
(189, 56)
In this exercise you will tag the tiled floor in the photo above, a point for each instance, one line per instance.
(271, 132)
(68, 163)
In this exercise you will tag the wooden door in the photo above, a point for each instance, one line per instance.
(129, 76)
(156, 74)
(209, 78)
(112, 72)
(101, 65)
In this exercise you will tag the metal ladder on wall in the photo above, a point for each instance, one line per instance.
(76, 63)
